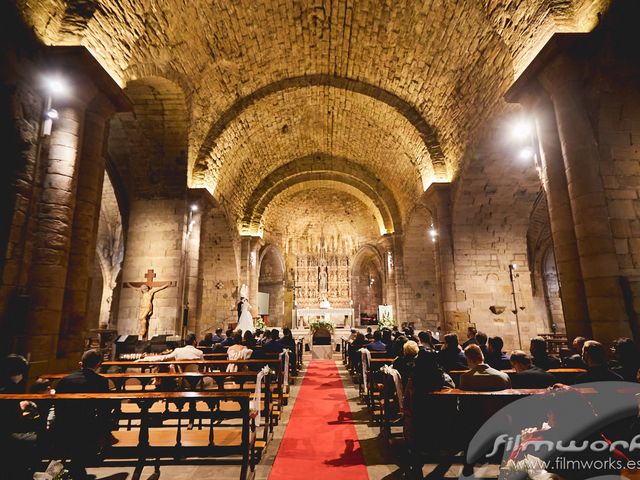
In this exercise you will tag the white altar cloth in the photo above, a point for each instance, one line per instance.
(334, 315)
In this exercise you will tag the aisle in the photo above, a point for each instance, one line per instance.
(320, 440)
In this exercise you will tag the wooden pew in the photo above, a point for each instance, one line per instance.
(225, 381)
(166, 437)
(280, 393)
(563, 375)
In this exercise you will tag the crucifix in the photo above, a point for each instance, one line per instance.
(148, 290)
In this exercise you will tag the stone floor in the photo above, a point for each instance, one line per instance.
(380, 459)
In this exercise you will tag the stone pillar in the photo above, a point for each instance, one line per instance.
(554, 182)
(249, 272)
(91, 167)
(437, 198)
(392, 248)
(53, 236)
(598, 260)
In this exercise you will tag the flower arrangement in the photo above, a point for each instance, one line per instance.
(259, 324)
(321, 325)
(386, 322)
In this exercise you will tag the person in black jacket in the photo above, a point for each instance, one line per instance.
(541, 359)
(496, 358)
(451, 356)
(627, 360)
(82, 428)
(528, 375)
(595, 356)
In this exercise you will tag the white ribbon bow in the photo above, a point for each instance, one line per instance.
(285, 379)
(255, 404)
(366, 361)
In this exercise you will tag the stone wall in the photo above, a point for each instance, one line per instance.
(218, 271)
(418, 290)
(154, 241)
(492, 204)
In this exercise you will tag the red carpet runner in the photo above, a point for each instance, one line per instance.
(320, 441)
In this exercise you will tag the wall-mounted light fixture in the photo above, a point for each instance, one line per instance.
(433, 233)
(56, 87)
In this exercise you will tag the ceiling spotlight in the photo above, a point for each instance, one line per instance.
(52, 113)
(521, 129)
(526, 153)
(57, 86)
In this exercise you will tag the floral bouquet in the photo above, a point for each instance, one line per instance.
(321, 325)
(386, 322)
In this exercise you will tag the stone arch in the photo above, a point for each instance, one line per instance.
(426, 131)
(149, 146)
(271, 279)
(368, 282)
(319, 167)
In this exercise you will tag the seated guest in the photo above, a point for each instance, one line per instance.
(397, 345)
(188, 352)
(575, 359)
(377, 345)
(451, 356)
(482, 377)
(369, 335)
(207, 341)
(217, 337)
(627, 359)
(406, 361)
(425, 340)
(274, 345)
(248, 340)
(19, 428)
(482, 338)
(495, 357)
(432, 336)
(538, 349)
(471, 337)
(386, 337)
(228, 340)
(528, 375)
(83, 427)
(595, 356)
(353, 334)
(287, 339)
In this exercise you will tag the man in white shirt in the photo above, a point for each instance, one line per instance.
(188, 352)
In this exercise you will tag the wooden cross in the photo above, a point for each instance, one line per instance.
(149, 276)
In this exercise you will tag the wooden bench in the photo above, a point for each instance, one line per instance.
(224, 381)
(563, 375)
(168, 435)
(280, 391)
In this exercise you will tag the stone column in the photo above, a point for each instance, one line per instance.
(53, 236)
(91, 167)
(437, 199)
(598, 260)
(554, 182)
(392, 248)
(249, 273)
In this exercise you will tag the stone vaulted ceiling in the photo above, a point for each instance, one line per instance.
(396, 89)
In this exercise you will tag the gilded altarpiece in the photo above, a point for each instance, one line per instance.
(323, 275)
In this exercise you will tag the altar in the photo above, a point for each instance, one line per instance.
(338, 316)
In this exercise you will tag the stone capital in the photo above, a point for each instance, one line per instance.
(89, 84)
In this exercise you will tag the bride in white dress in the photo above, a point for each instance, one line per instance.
(245, 322)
